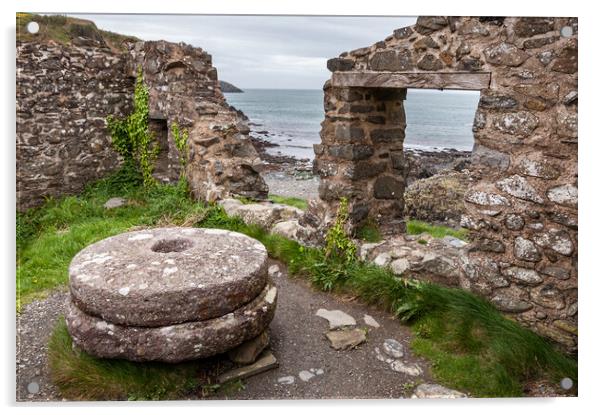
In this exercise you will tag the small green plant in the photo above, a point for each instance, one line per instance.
(180, 137)
(131, 137)
(338, 243)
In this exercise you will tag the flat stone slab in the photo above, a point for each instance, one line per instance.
(336, 318)
(175, 343)
(435, 391)
(346, 339)
(165, 276)
(267, 361)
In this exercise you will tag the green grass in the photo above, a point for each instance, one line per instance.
(291, 201)
(48, 237)
(80, 376)
(416, 227)
(369, 232)
(473, 347)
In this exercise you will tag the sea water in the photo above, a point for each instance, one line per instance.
(435, 119)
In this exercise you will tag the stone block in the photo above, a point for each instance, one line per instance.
(388, 187)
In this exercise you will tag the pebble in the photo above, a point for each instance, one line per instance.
(370, 321)
(286, 380)
(393, 348)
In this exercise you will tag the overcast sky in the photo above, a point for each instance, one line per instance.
(262, 51)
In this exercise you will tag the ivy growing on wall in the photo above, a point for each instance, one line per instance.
(180, 137)
(338, 242)
(131, 137)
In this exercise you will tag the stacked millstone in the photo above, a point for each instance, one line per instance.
(169, 294)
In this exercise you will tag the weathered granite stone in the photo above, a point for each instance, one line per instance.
(539, 42)
(262, 214)
(370, 321)
(486, 199)
(172, 343)
(410, 369)
(523, 275)
(399, 266)
(165, 276)
(430, 62)
(548, 296)
(434, 391)
(526, 250)
(566, 61)
(510, 304)
(556, 239)
(428, 24)
(391, 61)
(115, 202)
(425, 43)
(563, 195)
(544, 169)
(346, 339)
(556, 272)
(485, 156)
(519, 187)
(393, 348)
(497, 101)
(514, 222)
(505, 54)
(336, 318)
(519, 123)
(529, 26)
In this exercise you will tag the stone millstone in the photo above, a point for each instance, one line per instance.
(165, 276)
(174, 343)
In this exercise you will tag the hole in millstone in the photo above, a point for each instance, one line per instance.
(171, 245)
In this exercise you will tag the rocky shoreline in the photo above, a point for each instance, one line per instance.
(286, 174)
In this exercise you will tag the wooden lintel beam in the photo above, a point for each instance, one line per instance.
(426, 80)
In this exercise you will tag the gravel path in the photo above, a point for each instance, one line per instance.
(34, 326)
(298, 342)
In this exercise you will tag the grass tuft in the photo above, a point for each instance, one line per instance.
(80, 376)
(291, 201)
(416, 227)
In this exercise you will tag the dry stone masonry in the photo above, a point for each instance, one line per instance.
(522, 196)
(169, 294)
(65, 92)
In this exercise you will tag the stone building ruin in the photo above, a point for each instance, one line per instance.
(522, 203)
(66, 91)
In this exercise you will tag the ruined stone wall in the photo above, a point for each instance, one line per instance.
(65, 93)
(522, 204)
(184, 89)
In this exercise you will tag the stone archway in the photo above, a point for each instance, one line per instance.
(522, 204)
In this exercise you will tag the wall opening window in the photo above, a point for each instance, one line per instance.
(437, 148)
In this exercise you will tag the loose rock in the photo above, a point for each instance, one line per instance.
(346, 339)
(336, 318)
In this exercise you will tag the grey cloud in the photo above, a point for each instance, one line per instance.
(261, 51)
